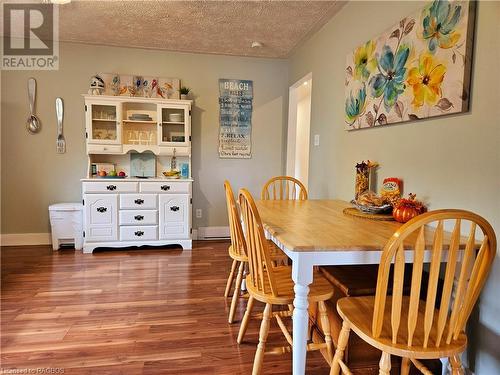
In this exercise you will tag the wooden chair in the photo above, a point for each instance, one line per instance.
(284, 188)
(274, 286)
(237, 251)
(405, 326)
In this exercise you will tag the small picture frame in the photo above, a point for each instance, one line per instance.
(143, 165)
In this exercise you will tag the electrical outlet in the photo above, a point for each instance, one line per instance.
(198, 213)
(316, 139)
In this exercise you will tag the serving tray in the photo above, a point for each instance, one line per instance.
(352, 211)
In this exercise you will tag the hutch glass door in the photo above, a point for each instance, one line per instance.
(104, 123)
(174, 125)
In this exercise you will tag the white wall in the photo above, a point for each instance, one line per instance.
(34, 176)
(450, 161)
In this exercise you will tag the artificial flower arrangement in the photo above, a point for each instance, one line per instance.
(406, 209)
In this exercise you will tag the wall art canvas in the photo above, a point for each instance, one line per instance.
(141, 86)
(417, 69)
(235, 116)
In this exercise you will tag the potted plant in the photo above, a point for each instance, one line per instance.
(184, 92)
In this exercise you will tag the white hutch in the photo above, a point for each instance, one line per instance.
(133, 211)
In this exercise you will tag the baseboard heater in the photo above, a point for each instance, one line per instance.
(213, 233)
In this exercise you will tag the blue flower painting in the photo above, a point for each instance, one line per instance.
(417, 69)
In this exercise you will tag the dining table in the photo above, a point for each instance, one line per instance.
(318, 232)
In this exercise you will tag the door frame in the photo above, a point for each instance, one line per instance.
(293, 101)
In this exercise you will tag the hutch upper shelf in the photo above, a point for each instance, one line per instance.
(118, 124)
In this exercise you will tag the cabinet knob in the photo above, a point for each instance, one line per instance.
(165, 187)
(174, 208)
(138, 217)
(139, 201)
(111, 187)
(139, 233)
(101, 209)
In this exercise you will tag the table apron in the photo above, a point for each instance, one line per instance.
(347, 256)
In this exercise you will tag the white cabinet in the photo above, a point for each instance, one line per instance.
(101, 217)
(174, 216)
(121, 212)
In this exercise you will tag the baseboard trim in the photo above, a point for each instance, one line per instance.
(31, 239)
(25, 239)
(212, 233)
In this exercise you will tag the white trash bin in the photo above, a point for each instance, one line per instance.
(66, 221)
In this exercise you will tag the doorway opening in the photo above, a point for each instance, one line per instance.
(299, 129)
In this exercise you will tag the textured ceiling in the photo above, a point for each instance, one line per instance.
(216, 27)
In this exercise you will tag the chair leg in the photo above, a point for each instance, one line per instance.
(264, 331)
(385, 364)
(246, 319)
(230, 278)
(237, 291)
(325, 324)
(342, 344)
(405, 366)
(456, 365)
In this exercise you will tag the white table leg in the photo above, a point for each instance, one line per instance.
(302, 275)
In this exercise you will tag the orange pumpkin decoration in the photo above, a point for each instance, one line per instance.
(406, 209)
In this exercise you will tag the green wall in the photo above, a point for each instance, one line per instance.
(451, 161)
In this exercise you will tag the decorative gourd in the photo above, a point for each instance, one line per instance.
(406, 209)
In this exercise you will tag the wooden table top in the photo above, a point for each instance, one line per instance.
(320, 225)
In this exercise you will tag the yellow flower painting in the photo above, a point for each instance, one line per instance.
(417, 69)
(425, 81)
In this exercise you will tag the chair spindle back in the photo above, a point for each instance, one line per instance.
(462, 257)
(259, 261)
(284, 188)
(237, 239)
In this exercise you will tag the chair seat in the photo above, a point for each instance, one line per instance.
(319, 290)
(236, 256)
(274, 251)
(358, 312)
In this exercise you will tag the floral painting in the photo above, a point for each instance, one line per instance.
(140, 86)
(417, 69)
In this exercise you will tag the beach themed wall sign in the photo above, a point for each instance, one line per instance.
(419, 68)
(235, 118)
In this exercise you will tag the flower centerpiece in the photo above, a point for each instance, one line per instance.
(406, 209)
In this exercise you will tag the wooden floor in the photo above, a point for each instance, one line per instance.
(127, 312)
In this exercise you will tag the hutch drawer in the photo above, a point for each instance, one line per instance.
(138, 217)
(104, 149)
(165, 187)
(110, 187)
(138, 201)
(139, 233)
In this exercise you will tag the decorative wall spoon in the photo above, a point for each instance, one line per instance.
(33, 124)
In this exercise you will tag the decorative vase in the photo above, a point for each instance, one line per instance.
(184, 96)
(362, 182)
